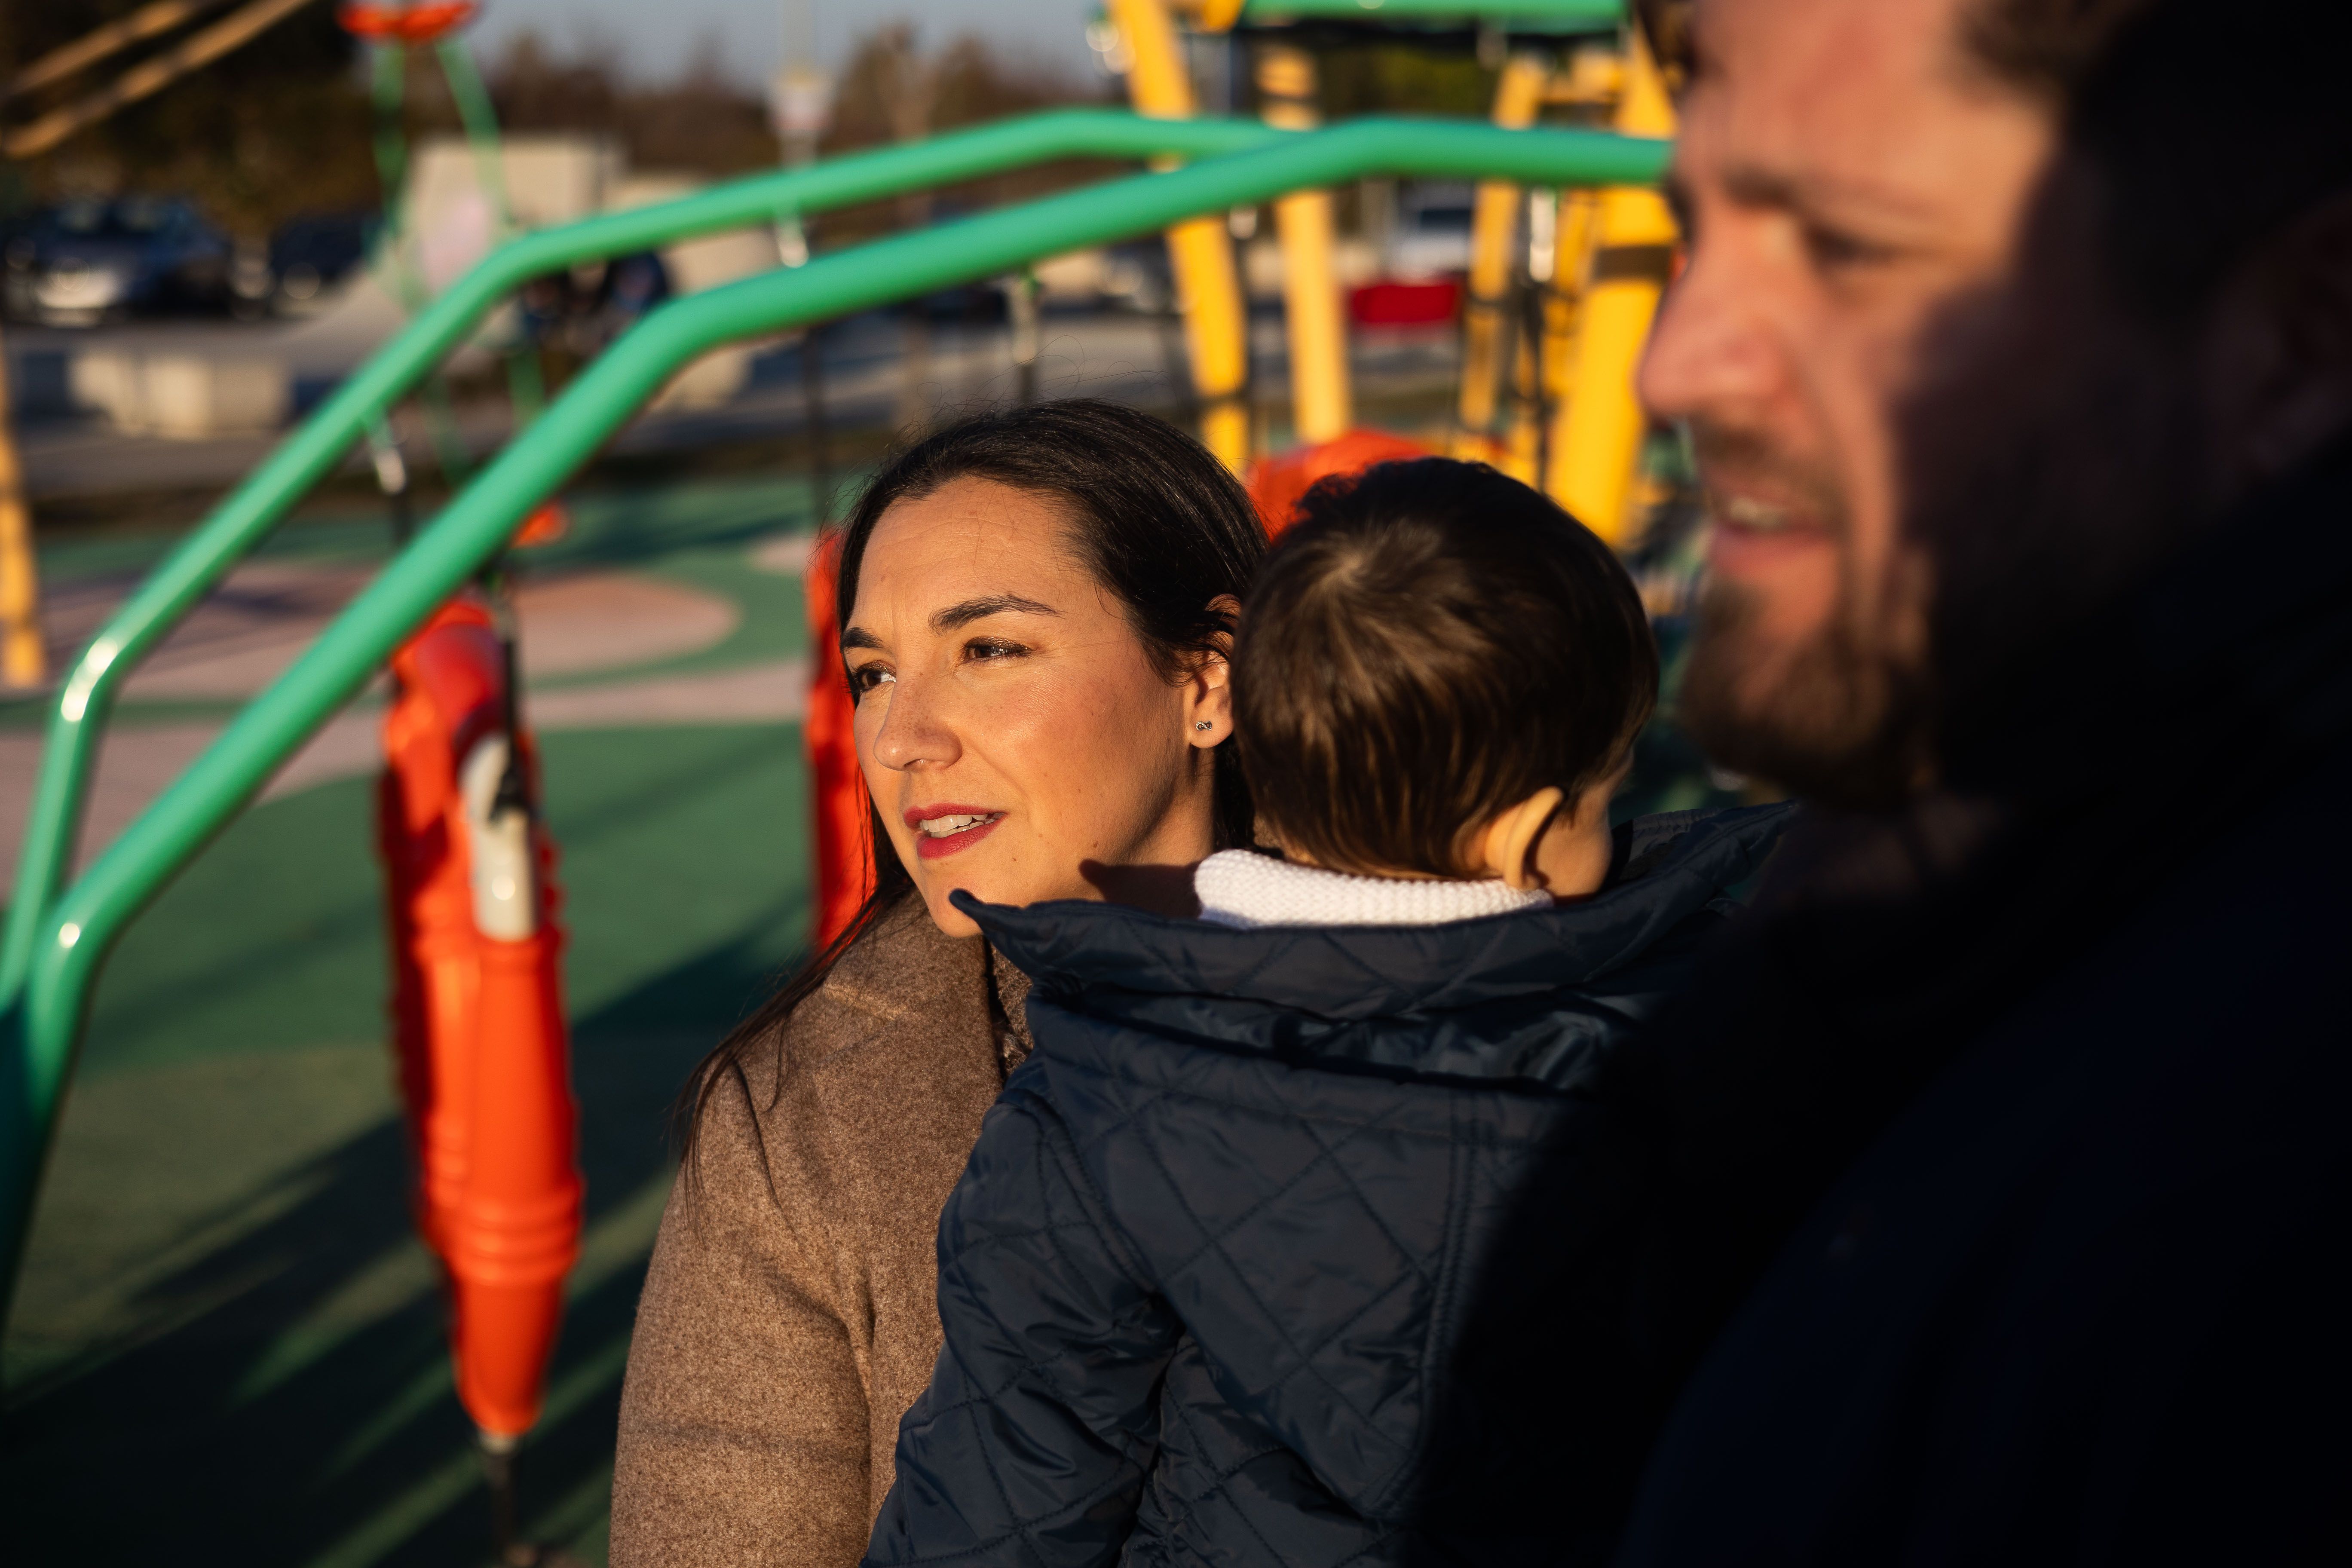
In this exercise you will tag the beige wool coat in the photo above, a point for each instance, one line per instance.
(790, 1314)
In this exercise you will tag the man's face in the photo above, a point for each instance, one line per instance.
(1843, 179)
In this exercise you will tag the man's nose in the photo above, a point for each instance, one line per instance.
(914, 733)
(1710, 356)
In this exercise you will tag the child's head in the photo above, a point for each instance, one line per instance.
(1440, 673)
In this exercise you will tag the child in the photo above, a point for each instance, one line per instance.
(1220, 1283)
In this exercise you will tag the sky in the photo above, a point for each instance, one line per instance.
(656, 38)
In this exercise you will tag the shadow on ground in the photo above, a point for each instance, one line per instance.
(191, 1447)
(229, 1347)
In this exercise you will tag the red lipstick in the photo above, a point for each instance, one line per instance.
(953, 827)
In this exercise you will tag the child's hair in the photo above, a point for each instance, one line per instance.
(1429, 644)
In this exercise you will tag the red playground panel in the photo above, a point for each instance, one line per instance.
(1428, 302)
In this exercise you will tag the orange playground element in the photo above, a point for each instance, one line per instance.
(549, 523)
(413, 25)
(1276, 484)
(843, 811)
(484, 1057)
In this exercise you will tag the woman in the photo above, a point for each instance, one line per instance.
(1037, 610)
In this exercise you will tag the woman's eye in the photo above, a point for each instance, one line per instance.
(982, 650)
(867, 676)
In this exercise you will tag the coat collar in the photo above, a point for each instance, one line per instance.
(1675, 868)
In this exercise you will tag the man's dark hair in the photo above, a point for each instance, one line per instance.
(1429, 644)
(2210, 126)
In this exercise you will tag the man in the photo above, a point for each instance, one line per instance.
(2000, 1167)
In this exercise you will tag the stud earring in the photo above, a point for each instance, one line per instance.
(1203, 724)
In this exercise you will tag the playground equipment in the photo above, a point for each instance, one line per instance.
(1199, 254)
(502, 1210)
(57, 936)
(1561, 287)
(243, 520)
(478, 994)
(480, 1023)
(478, 1012)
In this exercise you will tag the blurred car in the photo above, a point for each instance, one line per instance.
(1432, 238)
(309, 255)
(82, 262)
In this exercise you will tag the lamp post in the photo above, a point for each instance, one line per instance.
(799, 106)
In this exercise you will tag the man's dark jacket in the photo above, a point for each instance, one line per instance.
(2008, 1141)
(1211, 1283)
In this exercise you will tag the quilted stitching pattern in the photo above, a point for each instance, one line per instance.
(1201, 1295)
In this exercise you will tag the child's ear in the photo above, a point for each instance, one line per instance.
(1510, 839)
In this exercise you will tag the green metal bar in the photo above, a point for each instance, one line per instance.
(75, 936)
(525, 390)
(246, 516)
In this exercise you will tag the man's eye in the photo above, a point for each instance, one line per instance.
(867, 676)
(1834, 250)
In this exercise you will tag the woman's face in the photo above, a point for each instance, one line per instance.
(1017, 740)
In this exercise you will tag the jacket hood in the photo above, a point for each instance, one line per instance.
(1669, 868)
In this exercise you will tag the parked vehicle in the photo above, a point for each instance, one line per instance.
(82, 262)
(311, 253)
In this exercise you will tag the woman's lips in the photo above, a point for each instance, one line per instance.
(946, 829)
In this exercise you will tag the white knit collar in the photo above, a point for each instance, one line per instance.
(1241, 887)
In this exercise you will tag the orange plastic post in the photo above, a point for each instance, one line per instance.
(843, 811)
(478, 1025)
(516, 1230)
(449, 675)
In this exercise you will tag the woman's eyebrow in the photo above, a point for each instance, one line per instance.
(972, 610)
(858, 637)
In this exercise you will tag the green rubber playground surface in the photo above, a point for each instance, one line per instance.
(227, 1346)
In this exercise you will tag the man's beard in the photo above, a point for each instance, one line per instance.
(1836, 719)
(2052, 458)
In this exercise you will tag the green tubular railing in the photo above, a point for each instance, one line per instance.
(73, 935)
(257, 505)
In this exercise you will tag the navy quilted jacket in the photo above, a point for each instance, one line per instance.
(1205, 1281)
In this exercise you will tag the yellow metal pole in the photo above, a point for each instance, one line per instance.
(1557, 259)
(23, 661)
(1599, 438)
(1200, 251)
(1536, 332)
(1494, 224)
(1319, 404)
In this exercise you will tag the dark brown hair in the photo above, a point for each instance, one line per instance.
(2210, 130)
(1162, 526)
(1429, 644)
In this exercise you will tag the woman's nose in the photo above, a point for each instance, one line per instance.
(914, 733)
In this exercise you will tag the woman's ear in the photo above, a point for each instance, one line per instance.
(1208, 690)
(1510, 839)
